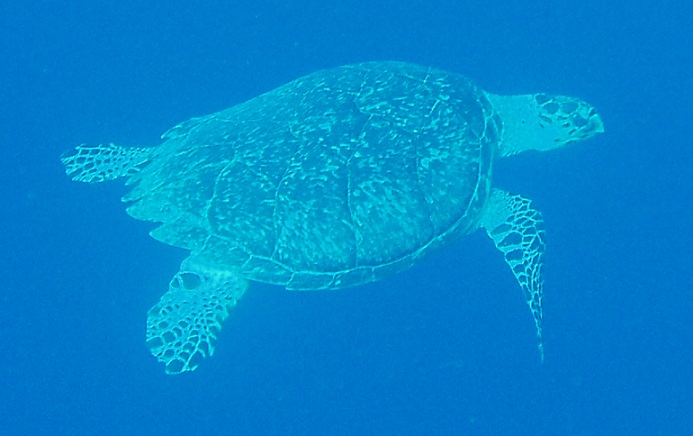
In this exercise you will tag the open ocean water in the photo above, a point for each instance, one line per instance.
(445, 348)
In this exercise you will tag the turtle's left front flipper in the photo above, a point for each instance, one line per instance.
(517, 229)
(182, 327)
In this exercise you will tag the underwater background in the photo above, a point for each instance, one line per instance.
(447, 347)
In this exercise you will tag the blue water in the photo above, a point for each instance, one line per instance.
(446, 348)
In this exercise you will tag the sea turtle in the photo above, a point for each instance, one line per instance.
(335, 179)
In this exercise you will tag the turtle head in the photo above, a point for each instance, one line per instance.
(543, 122)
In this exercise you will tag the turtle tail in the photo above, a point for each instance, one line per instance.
(94, 164)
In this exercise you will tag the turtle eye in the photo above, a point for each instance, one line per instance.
(545, 121)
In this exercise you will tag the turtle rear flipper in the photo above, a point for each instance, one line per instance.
(183, 326)
(94, 164)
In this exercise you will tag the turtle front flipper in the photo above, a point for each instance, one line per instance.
(517, 229)
(94, 164)
(182, 327)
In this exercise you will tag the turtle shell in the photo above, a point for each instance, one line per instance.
(335, 179)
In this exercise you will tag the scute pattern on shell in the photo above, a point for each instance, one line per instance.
(332, 180)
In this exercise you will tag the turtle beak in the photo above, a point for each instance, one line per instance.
(595, 123)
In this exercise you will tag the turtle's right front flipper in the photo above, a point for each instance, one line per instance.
(104, 162)
(517, 229)
(183, 326)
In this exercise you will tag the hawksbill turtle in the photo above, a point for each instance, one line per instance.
(335, 179)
